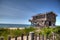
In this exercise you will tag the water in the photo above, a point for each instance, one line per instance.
(13, 25)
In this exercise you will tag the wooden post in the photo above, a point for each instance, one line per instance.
(22, 36)
(39, 36)
(31, 35)
(53, 36)
(9, 37)
(27, 37)
(35, 36)
(16, 38)
(42, 37)
(49, 38)
(1, 38)
(45, 37)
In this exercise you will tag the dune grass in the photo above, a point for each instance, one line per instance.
(18, 32)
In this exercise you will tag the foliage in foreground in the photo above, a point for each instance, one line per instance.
(17, 32)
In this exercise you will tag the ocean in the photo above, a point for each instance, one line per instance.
(13, 25)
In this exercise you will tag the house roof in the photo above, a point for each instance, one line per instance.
(44, 14)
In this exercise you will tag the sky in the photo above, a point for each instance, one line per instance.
(20, 11)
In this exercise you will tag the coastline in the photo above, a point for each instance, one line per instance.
(17, 28)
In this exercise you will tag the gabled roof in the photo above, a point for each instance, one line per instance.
(44, 14)
(51, 13)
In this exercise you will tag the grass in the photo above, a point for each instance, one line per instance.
(18, 32)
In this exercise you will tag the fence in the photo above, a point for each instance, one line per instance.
(31, 36)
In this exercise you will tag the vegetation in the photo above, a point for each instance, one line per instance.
(49, 31)
(17, 32)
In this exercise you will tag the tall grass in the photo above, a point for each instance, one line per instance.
(16, 32)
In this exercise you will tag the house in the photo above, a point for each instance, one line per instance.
(44, 19)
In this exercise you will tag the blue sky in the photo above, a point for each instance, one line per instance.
(20, 11)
